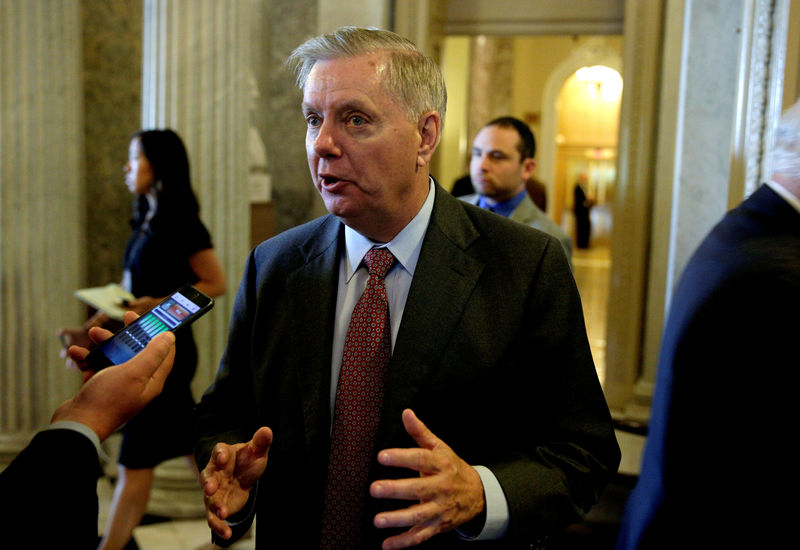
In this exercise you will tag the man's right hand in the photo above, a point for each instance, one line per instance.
(231, 472)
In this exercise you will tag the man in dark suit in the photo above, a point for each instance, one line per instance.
(477, 438)
(49, 491)
(717, 469)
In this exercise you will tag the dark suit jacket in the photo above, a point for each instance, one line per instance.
(48, 494)
(486, 292)
(719, 456)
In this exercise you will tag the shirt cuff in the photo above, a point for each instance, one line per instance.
(497, 515)
(246, 512)
(80, 428)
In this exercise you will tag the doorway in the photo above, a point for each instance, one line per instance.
(575, 120)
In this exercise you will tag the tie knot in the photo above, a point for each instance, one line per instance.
(379, 261)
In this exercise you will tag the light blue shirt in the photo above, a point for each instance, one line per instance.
(405, 247)
(504, 208)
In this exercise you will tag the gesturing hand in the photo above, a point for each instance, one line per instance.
(448, 490)
(231, 472)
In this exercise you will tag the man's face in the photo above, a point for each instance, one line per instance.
(496, 167)
(363, 152)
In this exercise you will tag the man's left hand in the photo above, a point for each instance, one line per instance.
(448, 490)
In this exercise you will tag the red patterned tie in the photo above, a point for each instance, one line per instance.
(357, 410)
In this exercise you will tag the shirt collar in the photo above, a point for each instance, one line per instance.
(405, 246)
(784, 194)
(504, 208)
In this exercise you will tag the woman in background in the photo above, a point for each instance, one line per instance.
(169, 247)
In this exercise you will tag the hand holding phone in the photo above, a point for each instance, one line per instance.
(181, 308)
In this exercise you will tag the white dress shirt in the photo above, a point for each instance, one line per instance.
(405, 247)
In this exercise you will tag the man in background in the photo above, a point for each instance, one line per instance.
(501, 164)
(720, 465)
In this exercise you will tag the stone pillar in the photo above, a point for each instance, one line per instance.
(491, 78)
(195, 81)
(285, 25)
(708, 155)
(112, 92)
(641, 64)
(41, 210)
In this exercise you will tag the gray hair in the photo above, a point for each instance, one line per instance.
(412, 78)
(786, 151)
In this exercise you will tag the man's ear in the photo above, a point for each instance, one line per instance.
(527, 168)
(429, 127)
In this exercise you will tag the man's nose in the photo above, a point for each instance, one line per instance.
(326, 142)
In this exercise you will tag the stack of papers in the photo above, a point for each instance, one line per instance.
(108, 299)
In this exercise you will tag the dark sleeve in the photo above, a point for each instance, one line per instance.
(570, 451)
(194, 237)
(227, 410)
(226, 413)
(719, 451)
(52, 483)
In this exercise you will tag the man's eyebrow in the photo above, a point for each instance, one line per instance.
(344, 106)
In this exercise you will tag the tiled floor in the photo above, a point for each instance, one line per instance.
(183, 534)
(592, 269)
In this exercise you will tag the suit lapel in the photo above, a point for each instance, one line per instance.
(312, 289)
(443, 281)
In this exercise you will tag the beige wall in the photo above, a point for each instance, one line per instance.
(791, 81)
(534, 59)
(453, 147)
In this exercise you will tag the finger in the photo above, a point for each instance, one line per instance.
(419, 431)
(159, 355)
(99, 334)
(417, 514)
(417, 488)
(420, 460)
(218, 525)
(209, 482)
(77, 353)
(129, 317)
(413, 537)
(262, 440)
(153, 362)
(220, 455)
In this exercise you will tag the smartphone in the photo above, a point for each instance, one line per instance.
(183, 307)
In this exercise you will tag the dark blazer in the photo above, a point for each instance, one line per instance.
(491, 354)
(719, 458)
(48, 494)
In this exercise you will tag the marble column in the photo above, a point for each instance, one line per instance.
(195, 81)
(284, 26)
(490, 88)
(41, 209)
(641, 64)
(715, 113)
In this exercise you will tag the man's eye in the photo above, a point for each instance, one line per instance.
(312, 120)
(357, 120)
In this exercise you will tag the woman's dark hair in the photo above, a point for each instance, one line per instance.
(166, 153)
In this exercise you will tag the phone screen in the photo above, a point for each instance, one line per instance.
(184, 306)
